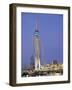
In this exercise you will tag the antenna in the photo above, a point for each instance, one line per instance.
(36, 27)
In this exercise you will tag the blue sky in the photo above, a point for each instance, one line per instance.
(51, 36)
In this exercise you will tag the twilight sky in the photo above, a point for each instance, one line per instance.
(51, 37)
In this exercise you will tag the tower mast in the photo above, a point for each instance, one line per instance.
(37, 48)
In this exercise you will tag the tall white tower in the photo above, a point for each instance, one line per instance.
(37, 48)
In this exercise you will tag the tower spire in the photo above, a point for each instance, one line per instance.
(37, 47)
(36, 27)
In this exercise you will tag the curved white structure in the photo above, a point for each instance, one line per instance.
(37, 48)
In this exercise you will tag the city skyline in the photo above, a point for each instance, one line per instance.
(51, 36)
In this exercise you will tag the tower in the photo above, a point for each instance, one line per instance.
(37, 48)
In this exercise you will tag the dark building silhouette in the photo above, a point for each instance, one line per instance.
(32, 63)
(54, 62)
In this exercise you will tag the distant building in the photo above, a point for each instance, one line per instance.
(32, 62)
(52, 68)
(54, 62)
